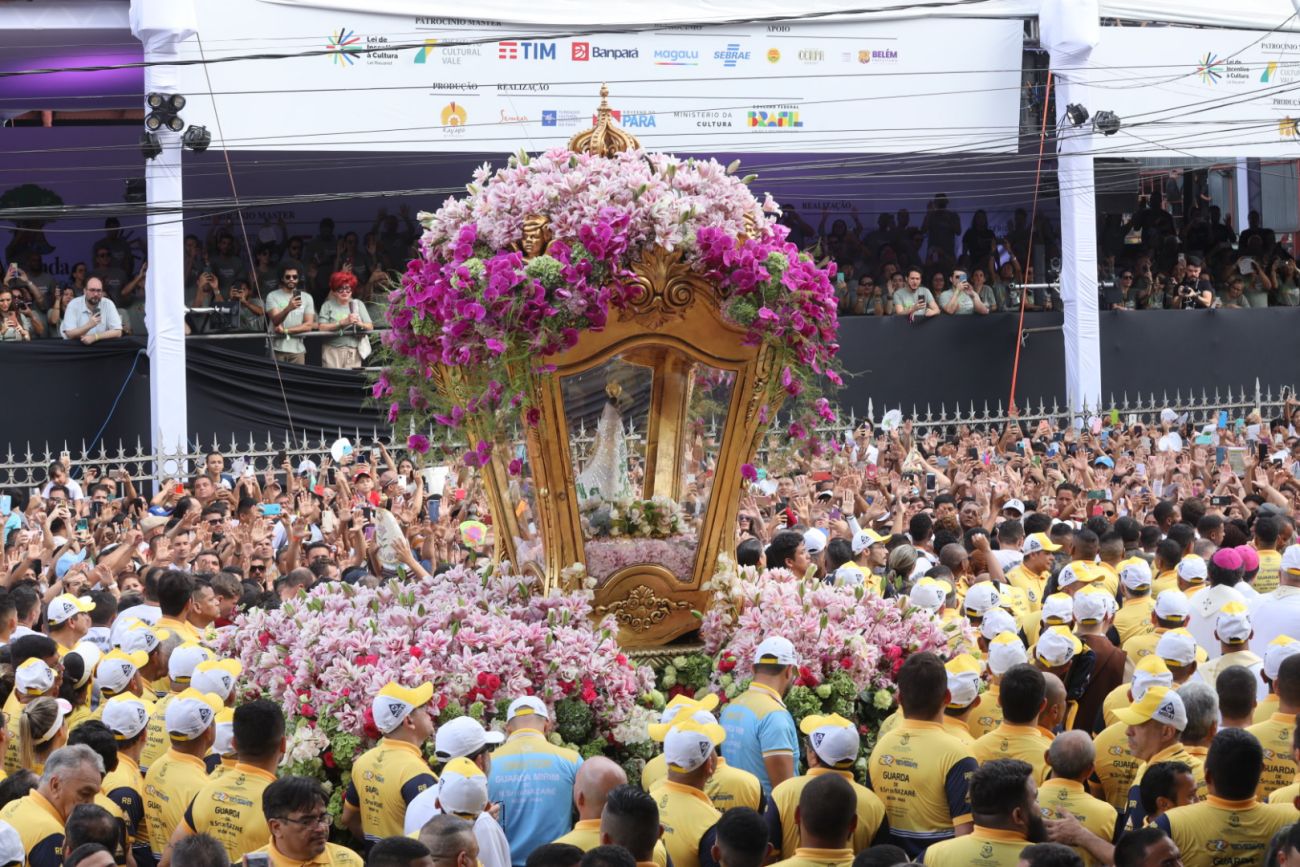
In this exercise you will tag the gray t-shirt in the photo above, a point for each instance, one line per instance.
(277, 301)
(332, 311)
(905, 299)
(965, 304)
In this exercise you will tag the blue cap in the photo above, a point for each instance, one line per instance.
(1105, 461)
(67, 561)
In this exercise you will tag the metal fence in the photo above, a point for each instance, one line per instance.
(28, 467)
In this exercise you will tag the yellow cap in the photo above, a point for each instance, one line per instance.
(812, 722)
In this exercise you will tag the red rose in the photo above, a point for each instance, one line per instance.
(368, 725)
(327, 759)
(621, 659)
(846, 662)
(494, 682)
(264, 639)
(307, 710)
(345, 692)
(726, 664)
(417, 652)
(482, 678)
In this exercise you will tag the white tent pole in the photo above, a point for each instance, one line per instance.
(1070, 29)
(161, 25)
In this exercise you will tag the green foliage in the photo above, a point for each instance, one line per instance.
(573, 721)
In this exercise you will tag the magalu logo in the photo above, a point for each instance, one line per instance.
(344, 47)
(676, 57)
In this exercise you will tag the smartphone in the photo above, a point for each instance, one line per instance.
(368, 513)
(331, 476)
(1263, 456)
(83, 526)
(1095, 511)
(179, 489)
(96, 507)
(6, 504)
(280, 457)
(375, 455)
(929, 482)
(872, 470)
(1097, 495)
(1223, 419)
(328, 523)
(1140, 469)
(434, 508)
(65, 457)
(1220, 454)
(271, 510)
(368, 531)
(1220, 501)
(973, 453)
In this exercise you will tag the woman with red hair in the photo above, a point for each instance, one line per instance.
(347, 317)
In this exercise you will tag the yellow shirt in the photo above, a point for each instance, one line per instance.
(1032, 583)
(156, 740)
(922, 774)
(960, 729)
(384, 780)
(1286, 795)
(1175, 752)
(785, 799)
(13, 711)
(1198, 755)
(1143, 644)
(1116, 765)
(1270, 566)
(1134, 617)
(818, 858)
(39, 826)
(333, 856)
(1010, 741)
(125, 787)
(1279, 765)
(988, 715)
(1164, 581)
(169, 786)
(586, 836)
(1059, 797)
(983, 847)
(1117, 698)
(183, 628)
(1211, 669)
(1266, 708)
(728, 787)
(1216, 832)
(230, 809)
(687, 815)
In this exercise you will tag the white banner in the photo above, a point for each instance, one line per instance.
(1182, 92)
(880, 87)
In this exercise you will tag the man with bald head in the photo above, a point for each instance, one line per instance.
(1053, 715)
(1071, 758)
(597, 777)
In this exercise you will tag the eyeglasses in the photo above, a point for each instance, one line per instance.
(290, 278)
(344, 290)
(256, 568)
(306, 821)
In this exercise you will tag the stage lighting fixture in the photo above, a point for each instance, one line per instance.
(135, 190)
(164, 111)
(197, 139)
(1077, 114)
(150, 147)
(1106, 122)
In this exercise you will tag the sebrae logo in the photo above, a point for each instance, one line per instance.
(731, 55)
(1209, 69)
(344, 47)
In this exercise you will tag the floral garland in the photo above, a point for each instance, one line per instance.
(473, 304)
(655, 518)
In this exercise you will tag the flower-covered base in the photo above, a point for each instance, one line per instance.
(608, 555)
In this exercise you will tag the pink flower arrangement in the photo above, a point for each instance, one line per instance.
(607, 556)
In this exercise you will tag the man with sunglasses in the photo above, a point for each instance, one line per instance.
(295, 810)
(292, 311)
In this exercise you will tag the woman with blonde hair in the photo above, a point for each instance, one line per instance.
(898, 570)
(42, 729)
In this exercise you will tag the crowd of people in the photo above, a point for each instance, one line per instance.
(1135, 590)
(1168, 254)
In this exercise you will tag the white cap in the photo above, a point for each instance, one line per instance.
(185, 658)
(126, 716)
(1036, 542)
(1057, 646)
(981, 597)
(63, 708)
(1150, 671)
(996, 621)
(814, 540)
(190, 714)
(224, 744)
(217, 676)
(11, 845)
(90, 656)
(34, 677)
(1172, 605)
(1135, 573)
(775, 650)
(1058, 609)
(1179, 647)
(1014, 505)
(463, 736)
(525, 705)
(1076, 572)
(141, 636)
(929, 593)
(1159, 703)
(462, 789)
(1005, 651)
(117, 668)
(1233, 626)
(689, 744)
(1291, 559)
(1277, 652)
(1192, 569)
(833, 738)
(864, 539)
(963, 680)
(394, 702)
(67, 605)
(1091, 604)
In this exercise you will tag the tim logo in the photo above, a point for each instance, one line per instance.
(774, 120)
(581, 51)
(513, 50)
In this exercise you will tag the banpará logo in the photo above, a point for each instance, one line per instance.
(676, 57)
(583, 51)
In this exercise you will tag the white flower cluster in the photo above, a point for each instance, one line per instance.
(304, 744)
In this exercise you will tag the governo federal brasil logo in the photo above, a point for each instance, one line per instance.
(344, 47)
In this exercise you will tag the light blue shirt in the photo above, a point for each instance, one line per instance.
(758, 725)
(532, 779)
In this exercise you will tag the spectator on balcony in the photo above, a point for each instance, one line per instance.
(961, 298)
(1120, 295)
(1286, 281)
(26, 298)
(350, 256)
(14, 324)
(868, 300)
(92, 317)
(131, 301)
(983, 290)
(251, 312)
(118, 246)
(1234, 295)
(110, 276)
(977, 243)
(394, 241)
(348, 319)
(1256, 284)
(941, 227)
(226, 264)
(292, 311)
(914, 300)
(266, 271)
(1193, 291)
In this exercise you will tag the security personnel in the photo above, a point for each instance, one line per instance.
(71, 777)
(118, 673)
(1004, 805)
(1023, 697)
(728, 787)
(1277, 652)
(1289, 794)
(1006, 650)
(1115, 765)
(136, 635)
(229, 808)
(180, 667)
(1070, 758)
(833, 745)
(597, 777)
(1154, 726)
(827, 815)
(33, 679)
(1171, 612)
(175, 589)
(1275, 733)
(388, 776)
(761, 735)
(223, 756)
(963, 696)
(1230, 827)
(687, 815)
(1134, 616)
(919, 771)
(297, 815)
(177, 775)
(532, 779)
(1035, 569)
(126, 717)
(1150, 671)
(1233, 631)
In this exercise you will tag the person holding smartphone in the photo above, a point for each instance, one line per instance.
(15, 326)
(92, 317)
(291, 312)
